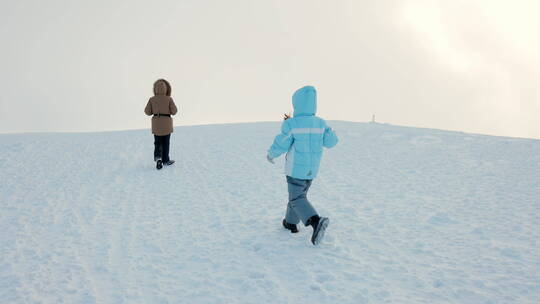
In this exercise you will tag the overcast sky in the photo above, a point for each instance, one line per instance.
(470, 66)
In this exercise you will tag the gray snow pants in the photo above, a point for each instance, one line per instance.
(298, 208)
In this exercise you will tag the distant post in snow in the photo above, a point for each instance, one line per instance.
(373, 118)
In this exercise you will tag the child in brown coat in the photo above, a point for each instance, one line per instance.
(161, 106)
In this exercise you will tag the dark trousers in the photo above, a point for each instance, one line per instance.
(161, 147)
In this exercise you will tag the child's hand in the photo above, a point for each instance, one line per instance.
(270, 160)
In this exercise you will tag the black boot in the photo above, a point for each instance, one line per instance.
(169, 162)
(290, 227)
(319, 225)
(313, 221)
(159, 164)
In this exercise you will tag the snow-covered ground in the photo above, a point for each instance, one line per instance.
(417, 216)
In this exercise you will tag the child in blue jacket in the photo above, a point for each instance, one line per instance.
(303, 137)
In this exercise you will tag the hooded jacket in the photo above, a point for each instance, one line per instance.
(161, 103)
(303, 137)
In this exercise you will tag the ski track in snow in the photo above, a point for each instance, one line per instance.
(417, 216)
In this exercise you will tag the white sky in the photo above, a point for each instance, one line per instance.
(470, 65)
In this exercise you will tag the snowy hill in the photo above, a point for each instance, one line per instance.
(417, 216)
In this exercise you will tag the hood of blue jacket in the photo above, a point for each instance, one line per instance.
(305, 101)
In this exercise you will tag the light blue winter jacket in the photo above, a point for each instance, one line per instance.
(303, 137)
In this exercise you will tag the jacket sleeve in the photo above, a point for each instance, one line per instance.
(330, 138)
(282, 142)
(148, 109)
(172, 107)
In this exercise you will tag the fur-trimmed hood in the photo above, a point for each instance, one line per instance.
(162, 87)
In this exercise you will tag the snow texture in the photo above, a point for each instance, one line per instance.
(417, 216)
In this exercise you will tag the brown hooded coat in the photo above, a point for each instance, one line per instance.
(161, 103)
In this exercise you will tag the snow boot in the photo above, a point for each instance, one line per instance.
(159, 164)
(290, 227)
(170, 162)
(319, 225)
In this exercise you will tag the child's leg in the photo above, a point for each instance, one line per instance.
(165, 147)
(290, 215)
(298, 202)
(157, 147)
